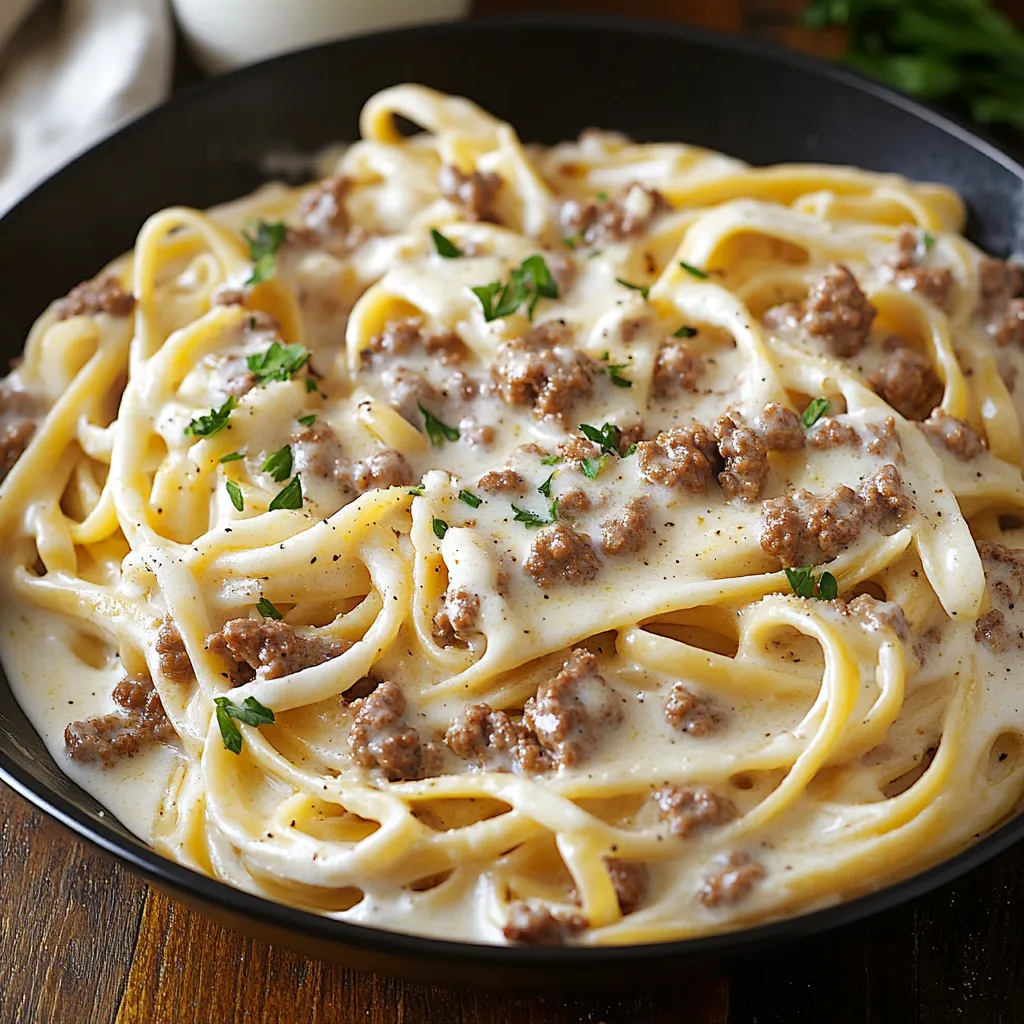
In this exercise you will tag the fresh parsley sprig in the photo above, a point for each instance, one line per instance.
(437, 431)
(235, 494)
(445, 246)
(439, 526)
(803, 583)
(278, 362)
(263, 246)
(529, 283)
(531, 519)
(614, 374)
(816, 408)
(591, 467)
(212, 422)
(279, 464)
(686, 331)
(250, 711)
(289, 497)
(471, 499)
(266, 608)
(607, 438)
(694, 271)
(643, 289)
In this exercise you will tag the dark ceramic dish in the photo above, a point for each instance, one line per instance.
(550, 79)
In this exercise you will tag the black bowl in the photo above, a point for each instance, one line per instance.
(550, 79)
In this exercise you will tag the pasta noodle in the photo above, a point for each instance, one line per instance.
(602, 543)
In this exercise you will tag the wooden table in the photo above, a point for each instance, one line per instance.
(84, 942)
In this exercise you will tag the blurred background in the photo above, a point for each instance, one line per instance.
(72, 71)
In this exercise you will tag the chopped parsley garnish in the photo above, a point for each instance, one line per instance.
(607, 438)
(235, 494)
(266, 608)
(437, 431)
(551, 460)
(250, 711)
(279, 362)
(232, 457)
(311, 384)
(263, 246)
(471, 499)
(279, 464)
(289, 497)
(213, 422)
(416, 491)
(593, 254)
(641, 288)
(686, 331)
(696, 271)
(928, 241)
(307, 421)
(602, 197)
(445, 246)
(439, 526)
(814, 411)
(531, 519)
(545, 488)
(591, 467)
(529, 282)
(825, 588)
(612, 369)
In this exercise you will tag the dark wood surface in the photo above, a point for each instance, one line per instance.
(84, 942)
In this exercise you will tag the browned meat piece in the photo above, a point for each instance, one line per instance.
(568, 710)
(502, 481)
(561, 555)
(171, 653)
(632, 328)
(576, 448)
(957, 437)
(564, 270)
(630, 878)
(998, 282)
(905, 271)
(779, 428)
(269, 649)
(574, 502)
(18, 411)
(406, 390)
(447, 346)
(784, 316)
(746, 460)
(477, 192)
(381, 738)
(829, 432)
(14, 439)
(684, 457)
(457, 618)
(883, 498)
(399, 337)
(629, 436)
(691, 808)
(103, 295)
(733, 878)
(693, 714)
(384, 468)
(534, 924)
(543, 370)
(105, 738)
(626, 534)
(495, 742)
(323, 206)
(875, 614)
(676, 368)
(604, 221)
(316, 452)
(838, 312)
(1011, 328)
(1004, 570)
(991, 630)
(908, 383)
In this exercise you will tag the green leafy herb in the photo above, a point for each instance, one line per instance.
(551, 460)
(235, 494)
(928, 241)
(591, 467)
(213, 422)
(471, 499)
(695, 271)
(814, 411)
(437, 431)
(607, 438)
(445, 246)
(263, 246)
(531, 519)
(545, 488)
(439, 526)
(250, 711)
(311, 384)
(631, 450)
(529, 283)
(612, 369)
(289, 497)
(804, 585)
(602, 197)
(279, 464)
(266, 608)
(686, 331)
(641, 288)
(279, 362)
(232, 457)
(307, 421)
(416, 491)
(593, 254)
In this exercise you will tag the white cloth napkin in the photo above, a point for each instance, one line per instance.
(70, 73)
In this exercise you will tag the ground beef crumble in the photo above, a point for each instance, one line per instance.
(684, 457)
(171, 654)
(606, 221)
(908, 383)
(380, 738)
(560, 554)
(676, 368)
(399, 337)
(495, 742)
(688, 809)
(502, 481)
(730, 881)
(627, 533)
(779, 428)
(384, 468)
(746, 460)
(103, 295)
(18, 412)
(476, 191)
(956, 436)
(630, 879)
(269, 648)
(534, 924)
(1004, 570)
(456, 620)
(687, 711)
(838, 312)
(905, 270)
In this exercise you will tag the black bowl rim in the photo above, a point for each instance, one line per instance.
(155, 868)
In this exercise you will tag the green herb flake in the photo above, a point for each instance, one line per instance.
(235, 494)
(641, 288)
(311, 385)
(551, 460)
(445, 246)
(695, 271)
(213, 422)
(545, 488)
(614, 374)
(279, 362)
(229, 732)
(607, 438)
(686, 331)
(529, 283)
(416, 491)
(307, 421)
(531, 519)
(263, 246)
(803, 584)
(232, 457)
(828, 587)
(437, 431)
(290, 497)
(928, 241)
(591, 467)
(266, 608)
(602, 197)
(471, 499)
(816, 408)
(439, 526)
(279, 464)
(250, 711)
